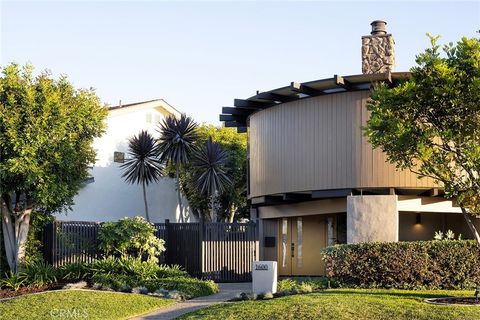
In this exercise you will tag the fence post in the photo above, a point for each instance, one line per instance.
(48, 242)
(167, 226)
(201, 226)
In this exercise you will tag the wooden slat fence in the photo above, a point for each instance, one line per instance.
(71, 242)
(222, 252)
(228, 251)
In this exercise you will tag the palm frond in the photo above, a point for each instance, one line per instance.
(210, 173)
(177, 139)
(142, 164)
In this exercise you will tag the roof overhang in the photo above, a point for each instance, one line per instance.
(237, 116)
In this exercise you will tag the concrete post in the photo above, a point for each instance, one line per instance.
(372, 218)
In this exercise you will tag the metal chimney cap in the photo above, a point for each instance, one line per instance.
(378, 27)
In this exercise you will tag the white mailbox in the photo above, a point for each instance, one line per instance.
(264, 277)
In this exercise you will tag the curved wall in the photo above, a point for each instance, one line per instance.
(317, 144)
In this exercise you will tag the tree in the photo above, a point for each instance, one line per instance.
(210, 176)
(430, 123)
(176, 146)
(142, 166)
(232, 202)
(46, 132)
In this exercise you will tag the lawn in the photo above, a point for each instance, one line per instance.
(345, 304)
(77, 304)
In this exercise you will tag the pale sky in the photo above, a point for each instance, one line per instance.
(199, 56)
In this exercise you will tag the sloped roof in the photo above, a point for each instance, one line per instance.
(147, 104)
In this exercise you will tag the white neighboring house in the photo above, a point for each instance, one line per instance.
(106, 196)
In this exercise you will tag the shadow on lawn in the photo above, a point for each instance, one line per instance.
(374, 292)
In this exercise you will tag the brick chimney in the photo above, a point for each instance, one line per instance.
(378, 50)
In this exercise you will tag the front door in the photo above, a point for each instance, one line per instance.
(301, 240)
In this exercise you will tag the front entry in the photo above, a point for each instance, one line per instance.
(300, 241)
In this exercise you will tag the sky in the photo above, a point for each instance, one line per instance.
(199, 56)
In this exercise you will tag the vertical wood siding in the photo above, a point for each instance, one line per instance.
(318, 143)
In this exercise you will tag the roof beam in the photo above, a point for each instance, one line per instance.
(300, 88)
(274, 97)
(267, 200)
(338, 193)
(251, 104)
(341, 82)
(232, 117)
(237, 111)
(297, 196)
(234, 124)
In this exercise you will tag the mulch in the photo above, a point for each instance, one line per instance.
(465, 301)
(10, 293)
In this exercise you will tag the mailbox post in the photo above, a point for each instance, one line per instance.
(264, 277)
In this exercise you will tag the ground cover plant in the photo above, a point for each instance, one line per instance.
(344, 304)
(79, 304)
(124, 274)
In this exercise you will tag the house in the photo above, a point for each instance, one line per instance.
(314, 180)
(106, 196)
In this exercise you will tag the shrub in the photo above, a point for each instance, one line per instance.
(113, 281)
(406, 265)
(135, 268)
(39, 274)
(172, 271)
(287, 285)
(14, 280)
(131, 237)
(75, 271)
(190, 287)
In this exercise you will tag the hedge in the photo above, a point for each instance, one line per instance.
(446, 264)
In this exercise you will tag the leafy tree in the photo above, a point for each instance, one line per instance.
(430, 124)
(132, 237)
(142, 166)
(176, 146)
(210, 176)
(46, 131)
(233, 201)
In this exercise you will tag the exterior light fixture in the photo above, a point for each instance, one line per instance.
(418, 218)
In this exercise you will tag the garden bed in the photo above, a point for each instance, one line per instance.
(10, 293)
(460, 301)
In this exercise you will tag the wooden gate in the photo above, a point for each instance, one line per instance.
(222, 252)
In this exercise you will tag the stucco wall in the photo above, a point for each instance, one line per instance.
(372, 218)
(109, 197)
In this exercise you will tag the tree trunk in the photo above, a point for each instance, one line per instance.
(145, 202)
(471, 225)
(179, 195)
(15, 231)
(233, 210)
(212, 208)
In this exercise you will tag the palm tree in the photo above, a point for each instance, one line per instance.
(176, 146)
(142, 166)
(210, 175)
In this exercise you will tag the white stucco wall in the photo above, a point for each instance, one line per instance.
(109, 197)
(372, 218)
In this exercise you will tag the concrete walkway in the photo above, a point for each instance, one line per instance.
(227, 292)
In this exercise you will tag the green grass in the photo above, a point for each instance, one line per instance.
(77, 304)
(345, 304)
